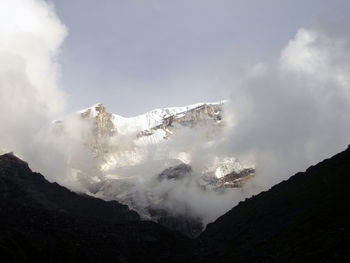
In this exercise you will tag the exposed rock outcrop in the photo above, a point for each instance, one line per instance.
(103, 125)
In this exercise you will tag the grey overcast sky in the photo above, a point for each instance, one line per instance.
(136, 55)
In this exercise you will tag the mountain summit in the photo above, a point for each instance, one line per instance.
(156, 124)
(146, 160)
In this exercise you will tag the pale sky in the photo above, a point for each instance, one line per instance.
(137, 55)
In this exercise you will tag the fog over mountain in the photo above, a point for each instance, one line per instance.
(283, 115)
(292, 112)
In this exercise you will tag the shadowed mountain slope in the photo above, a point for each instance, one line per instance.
(20, 184)
(44, 221)
(303, 219)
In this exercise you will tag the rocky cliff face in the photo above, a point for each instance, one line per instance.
(103, 125)
(205, 114)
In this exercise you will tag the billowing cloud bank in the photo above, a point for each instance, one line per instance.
(31, 35)
(295, 112)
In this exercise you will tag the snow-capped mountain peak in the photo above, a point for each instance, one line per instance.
(151, 119)
(135, 159)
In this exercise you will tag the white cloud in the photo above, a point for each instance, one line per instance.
(295, 112)
(31, 35)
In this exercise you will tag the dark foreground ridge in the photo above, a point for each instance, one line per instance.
(46, 222)
(303, 219)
